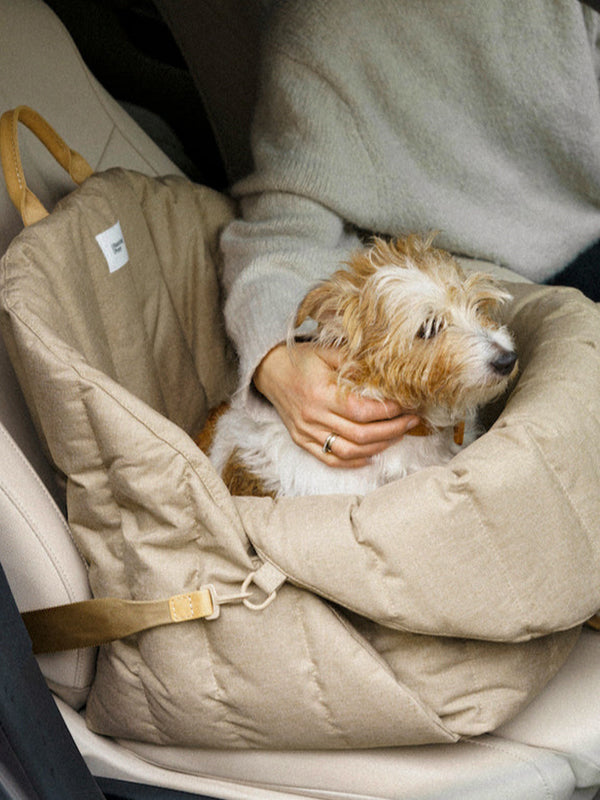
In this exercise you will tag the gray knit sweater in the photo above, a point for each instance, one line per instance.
(477, 119)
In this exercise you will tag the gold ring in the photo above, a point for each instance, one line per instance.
(329, 442)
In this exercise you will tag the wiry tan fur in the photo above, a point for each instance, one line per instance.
(411, 326)
(383, 356)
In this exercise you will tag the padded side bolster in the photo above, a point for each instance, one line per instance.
(503, 543)
(34, 532)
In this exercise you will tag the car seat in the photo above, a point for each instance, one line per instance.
(551, 750)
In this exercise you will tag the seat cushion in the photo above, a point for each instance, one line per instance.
(121, 375)
(550, 750)
(565, 718)
(486, 767)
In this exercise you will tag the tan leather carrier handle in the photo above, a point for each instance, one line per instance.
(25, 201)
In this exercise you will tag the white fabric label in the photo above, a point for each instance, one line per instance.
(112, 244)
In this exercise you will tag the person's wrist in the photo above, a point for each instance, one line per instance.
(270, 364)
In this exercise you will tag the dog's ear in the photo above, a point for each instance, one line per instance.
(325, 305)
(487, 293)
(320, 304)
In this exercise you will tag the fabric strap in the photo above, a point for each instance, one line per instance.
(25, 201)
(94, 622)
(90, 623)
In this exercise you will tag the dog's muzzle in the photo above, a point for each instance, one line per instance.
(504, 362)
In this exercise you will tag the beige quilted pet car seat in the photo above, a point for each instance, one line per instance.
(552, 749)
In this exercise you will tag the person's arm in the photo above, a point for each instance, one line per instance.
(309, 159)
(282, 246)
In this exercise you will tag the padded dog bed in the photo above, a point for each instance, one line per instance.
(432, 609)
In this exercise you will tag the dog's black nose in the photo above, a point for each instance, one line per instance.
(504, 362)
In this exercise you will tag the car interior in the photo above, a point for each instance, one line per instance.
(167, 87)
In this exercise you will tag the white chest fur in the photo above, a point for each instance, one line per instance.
(268, 451)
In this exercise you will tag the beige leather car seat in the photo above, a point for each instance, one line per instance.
(552, 750)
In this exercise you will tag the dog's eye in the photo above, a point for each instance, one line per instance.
(430, 329)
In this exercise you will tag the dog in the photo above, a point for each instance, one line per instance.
(410, 326)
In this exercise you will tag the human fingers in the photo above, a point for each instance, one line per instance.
(366, 425)
(364, 422)
(330, 457)
(356, 444)
(351, 405)
(303, 388)
(361, 428)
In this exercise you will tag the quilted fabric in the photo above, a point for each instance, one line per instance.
(432, 609)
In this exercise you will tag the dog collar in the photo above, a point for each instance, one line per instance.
(422, 429)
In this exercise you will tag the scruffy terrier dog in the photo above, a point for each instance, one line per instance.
(411, 326)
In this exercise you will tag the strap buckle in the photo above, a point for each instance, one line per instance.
(218, 601)
(256, 606)
(268, 578)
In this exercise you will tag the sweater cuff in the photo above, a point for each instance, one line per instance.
(258, 318)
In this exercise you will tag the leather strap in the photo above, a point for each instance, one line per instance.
(422, 429)
(594, 622)
(94, 622)
(90, 623)
(25, 201)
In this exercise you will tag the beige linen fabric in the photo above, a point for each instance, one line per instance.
(432, 609)
(154, 325)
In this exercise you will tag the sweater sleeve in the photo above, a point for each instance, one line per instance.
(308, 156)
(282, 245)
(592, 24)
(346, 132)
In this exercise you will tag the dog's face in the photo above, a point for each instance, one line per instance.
(414, 328)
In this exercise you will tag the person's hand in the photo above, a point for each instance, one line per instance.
(303, 389)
